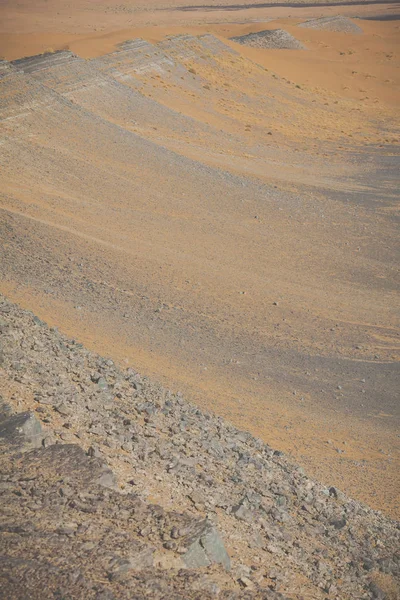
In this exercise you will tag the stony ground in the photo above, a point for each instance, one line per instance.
(104, 463)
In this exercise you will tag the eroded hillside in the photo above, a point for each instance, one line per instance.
(186, 208)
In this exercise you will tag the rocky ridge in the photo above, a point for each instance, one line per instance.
(89, 85)
(104, 461)
(270, 38)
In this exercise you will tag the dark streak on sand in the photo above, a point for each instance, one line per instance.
(210, 7)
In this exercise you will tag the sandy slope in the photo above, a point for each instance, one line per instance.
(171, 230)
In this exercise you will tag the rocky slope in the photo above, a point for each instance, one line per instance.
(97, 465)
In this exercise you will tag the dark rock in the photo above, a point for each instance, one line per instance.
(204, 547)
(376, 592)
(338, 523)
(22, 431)
(5, 410)
(333, 492)
(243, 514)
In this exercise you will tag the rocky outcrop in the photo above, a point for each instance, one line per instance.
(48, 60)
(201, 49)
(270, 38)
(136, 57)
(91, 85)
(335, 23)
(133, 490)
